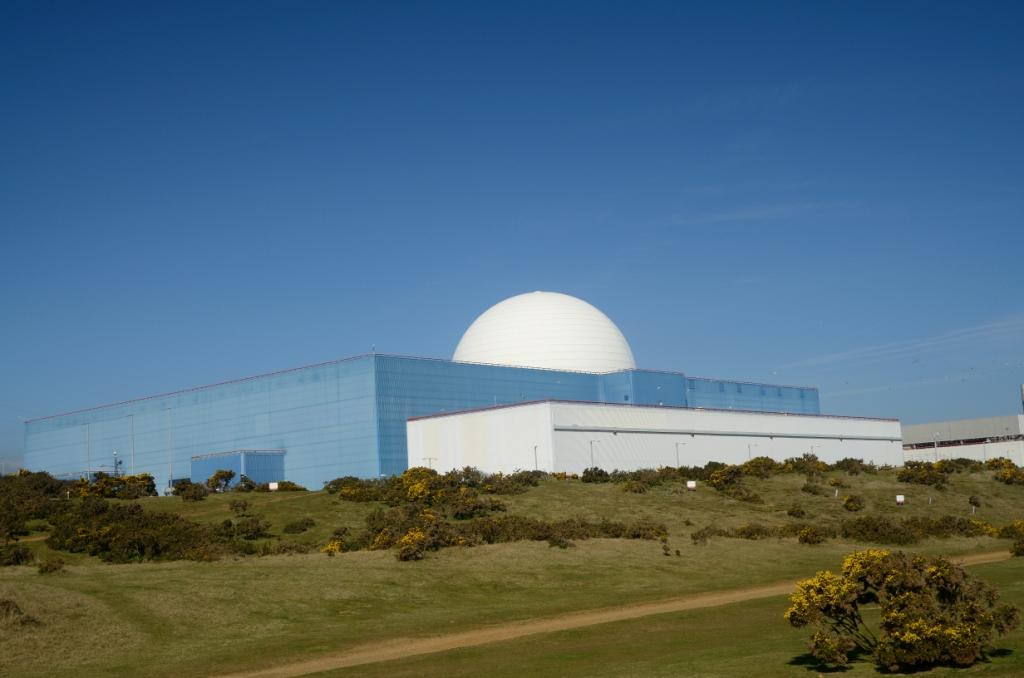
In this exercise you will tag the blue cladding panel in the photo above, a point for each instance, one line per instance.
(203, 468)
(659, 388)
(736, 395)
(258, 466)
(323, 416)
(347, 417)
(414, 387)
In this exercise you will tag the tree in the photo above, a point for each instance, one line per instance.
(220, 480)
(932, 612)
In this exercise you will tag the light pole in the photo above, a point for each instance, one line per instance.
(131, 423)
(750, 445)
(677, 453)
(935, 447)
(535, 466)
(592, 452)
(430, 461)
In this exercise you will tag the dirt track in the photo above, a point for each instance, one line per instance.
(410, 647)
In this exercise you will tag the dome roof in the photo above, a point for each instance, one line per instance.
(549, 330)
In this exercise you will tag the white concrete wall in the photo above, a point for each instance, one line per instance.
(1011, 449)
(630, 437)
(493, 440)
(644, 437)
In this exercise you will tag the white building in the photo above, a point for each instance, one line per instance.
(572, 436)
(985, 438)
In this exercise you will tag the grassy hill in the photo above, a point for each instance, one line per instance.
(196, 618)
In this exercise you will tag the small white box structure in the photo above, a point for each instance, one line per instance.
(691, 485)
(900, 500)
(273, 487)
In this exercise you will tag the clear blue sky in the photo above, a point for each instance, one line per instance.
(816, 193)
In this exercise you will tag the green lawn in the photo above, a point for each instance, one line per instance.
(745, 639)
(192, 619)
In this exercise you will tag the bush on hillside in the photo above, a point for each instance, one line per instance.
(796, 511)
(244, 484)
(595, 475)
(922, 473)
(220, 480)
(116, 487)
(1017, 548)
(634, 486)
(814, 488)
(811, 535)
(760, 467)
(854, 466)
(15, 554)
(189, 491)
(51, 565)
(299, 526)
(122, 533)
(932, 612)
(853, 502)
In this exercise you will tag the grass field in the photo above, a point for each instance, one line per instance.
(191, 619)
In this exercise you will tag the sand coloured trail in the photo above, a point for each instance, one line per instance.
(402, 648)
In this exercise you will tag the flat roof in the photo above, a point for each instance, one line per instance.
(636, 405)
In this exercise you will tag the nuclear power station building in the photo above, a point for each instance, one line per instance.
(541, 380)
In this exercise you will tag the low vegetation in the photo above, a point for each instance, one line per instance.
(476, 549)
(932, 613)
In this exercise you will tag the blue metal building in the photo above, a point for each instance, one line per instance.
(346, 417)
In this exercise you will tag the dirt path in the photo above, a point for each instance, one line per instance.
(410, 647)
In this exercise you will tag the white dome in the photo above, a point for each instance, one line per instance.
(549, 330)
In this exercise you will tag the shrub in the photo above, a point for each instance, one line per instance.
(412, 545)
(811, 535)
(974, 501)
(796, 511)
(116, 487)
(122, 533)
(814, 488)
(595, 475)
(876, 529)
(760, 467)
(253, 527)
(854, 466)
(244, 484)
(189, 491)
(51, 565)
(808, 465)
(299, 526)
(999, 463)
(282, 486)
(1010, 476)
(333, 547)
(727, 476)
(932, 612)
(12, 614)
(753, 531)
(1017, 548)
(837, 482)
(702, 535)
(15, 554)
(634, 486)
(921, 473)
(239, 506)
(853, 502)
(220, 480)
